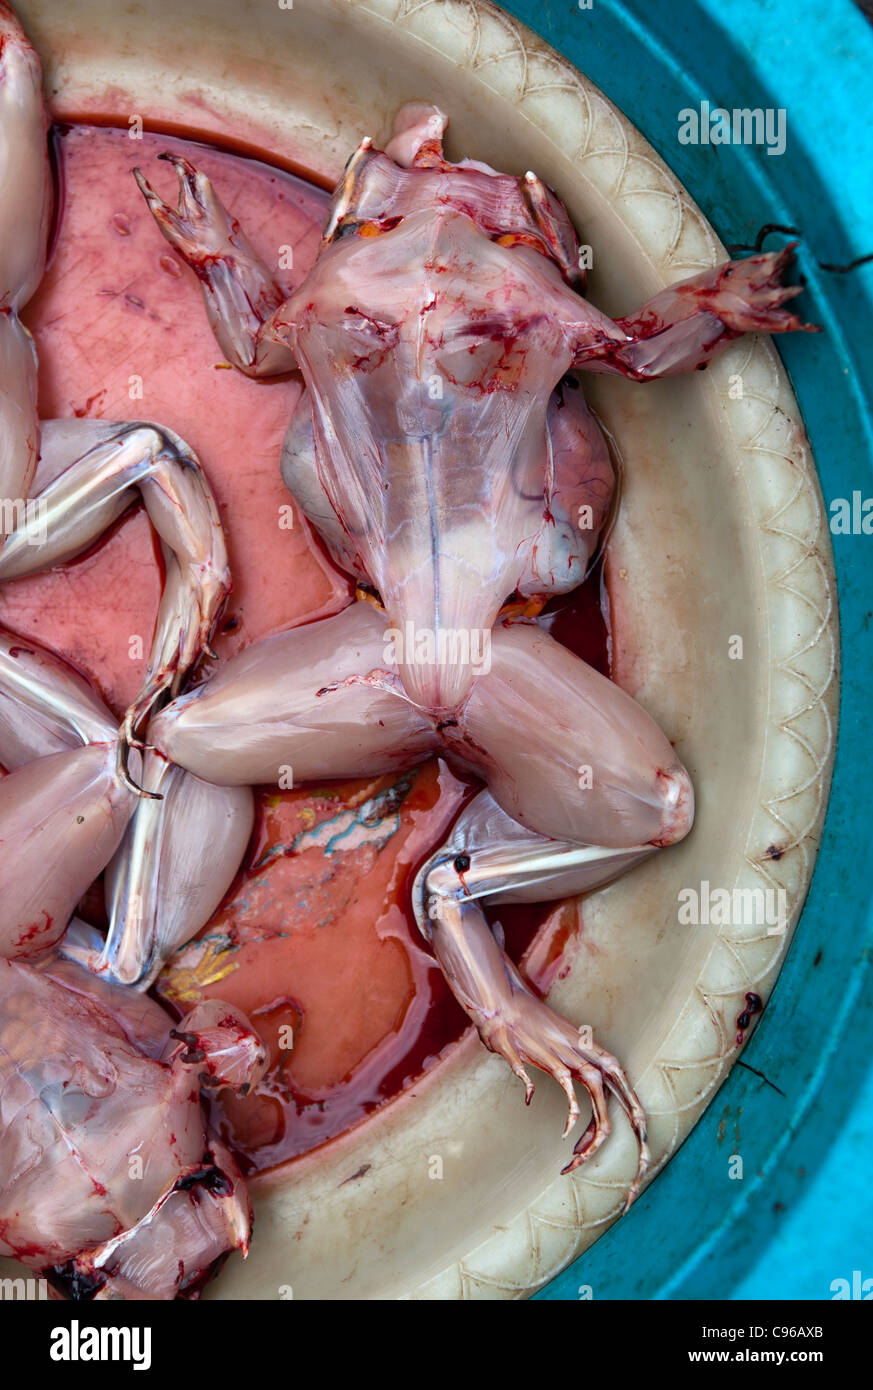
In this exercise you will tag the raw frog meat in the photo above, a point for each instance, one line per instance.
(109, 1183)
(447, 470)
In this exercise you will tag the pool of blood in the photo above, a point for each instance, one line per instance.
(315, 939)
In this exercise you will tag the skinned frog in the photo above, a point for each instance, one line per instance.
(433, 455)
(441, 313)
(110, 1185)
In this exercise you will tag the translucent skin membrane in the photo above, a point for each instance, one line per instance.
(429, 398)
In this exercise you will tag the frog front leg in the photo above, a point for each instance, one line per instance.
(241, 295)
(689, 323)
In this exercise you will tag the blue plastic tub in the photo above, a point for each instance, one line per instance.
(802, 1217)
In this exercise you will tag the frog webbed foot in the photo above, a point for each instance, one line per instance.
(529, 1031)
(491, 857)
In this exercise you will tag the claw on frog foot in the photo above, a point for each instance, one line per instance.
(192, 210)
(540, 1036)
(188, 174)
(137, 716)
(536, 1034)
(522, 1029)
(598, 1130)
(500, 1040)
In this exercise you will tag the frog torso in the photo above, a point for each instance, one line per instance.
(430, 351)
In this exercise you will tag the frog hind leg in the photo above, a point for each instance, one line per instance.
(582, 785)
(89, 473)
(490, 858)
